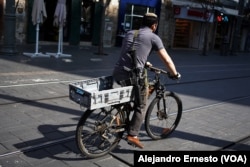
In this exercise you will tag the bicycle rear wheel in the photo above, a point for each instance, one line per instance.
(99, 131)
(163, 115)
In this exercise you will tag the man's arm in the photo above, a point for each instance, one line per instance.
(167, 61)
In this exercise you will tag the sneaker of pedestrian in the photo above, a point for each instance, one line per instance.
(135, 141)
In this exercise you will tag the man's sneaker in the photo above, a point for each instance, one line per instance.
(135, 141)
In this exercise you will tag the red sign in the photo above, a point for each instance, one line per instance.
(177, 10)
(219, 18)
(197, 13)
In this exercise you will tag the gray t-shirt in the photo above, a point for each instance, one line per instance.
(144, 43)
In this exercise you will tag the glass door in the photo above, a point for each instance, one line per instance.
(134, 14)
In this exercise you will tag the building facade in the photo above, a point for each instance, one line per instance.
(1, 18)
(183, 23)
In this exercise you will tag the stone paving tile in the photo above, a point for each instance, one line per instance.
(14, 161)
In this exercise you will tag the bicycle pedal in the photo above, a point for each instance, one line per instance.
(120, 129)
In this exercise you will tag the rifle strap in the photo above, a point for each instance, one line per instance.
(135, 36)
(135, 58)
(133, 55)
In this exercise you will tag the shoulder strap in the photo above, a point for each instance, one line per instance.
(135, 36)
(132, 53)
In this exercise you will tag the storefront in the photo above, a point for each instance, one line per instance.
(82, 22)
(187, 21)
(192, 19)
(189, 26)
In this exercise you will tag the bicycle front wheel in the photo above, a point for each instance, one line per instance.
(99, 131)
(163, 115)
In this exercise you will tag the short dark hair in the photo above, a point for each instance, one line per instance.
(149, 19)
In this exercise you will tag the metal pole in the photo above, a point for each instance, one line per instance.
(236, 37)
(9, 40)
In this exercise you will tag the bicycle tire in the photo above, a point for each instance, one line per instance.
(160, 124)
(95, 139)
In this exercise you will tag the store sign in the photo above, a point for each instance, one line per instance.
(197, 13)
(177, 10)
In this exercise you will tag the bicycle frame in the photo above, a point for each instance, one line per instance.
(105, 126)
(157, 86)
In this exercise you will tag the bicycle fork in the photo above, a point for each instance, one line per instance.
(162, 112)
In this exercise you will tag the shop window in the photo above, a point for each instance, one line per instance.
(133, 16)
(182, 33)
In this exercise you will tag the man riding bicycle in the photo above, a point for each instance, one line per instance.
(143, 41)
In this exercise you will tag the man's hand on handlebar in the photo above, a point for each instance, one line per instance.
(148, 64)
(175, 77)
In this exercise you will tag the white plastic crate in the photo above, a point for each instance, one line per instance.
(98, 93)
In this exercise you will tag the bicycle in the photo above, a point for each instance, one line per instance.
(99, 131)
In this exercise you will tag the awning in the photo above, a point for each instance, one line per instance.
(189, 4)
(60, 13)
(38, 12)
(227, 11)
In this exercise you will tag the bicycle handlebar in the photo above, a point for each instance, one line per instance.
(159, 71)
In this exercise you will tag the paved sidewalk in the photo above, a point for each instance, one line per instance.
(35, 109)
